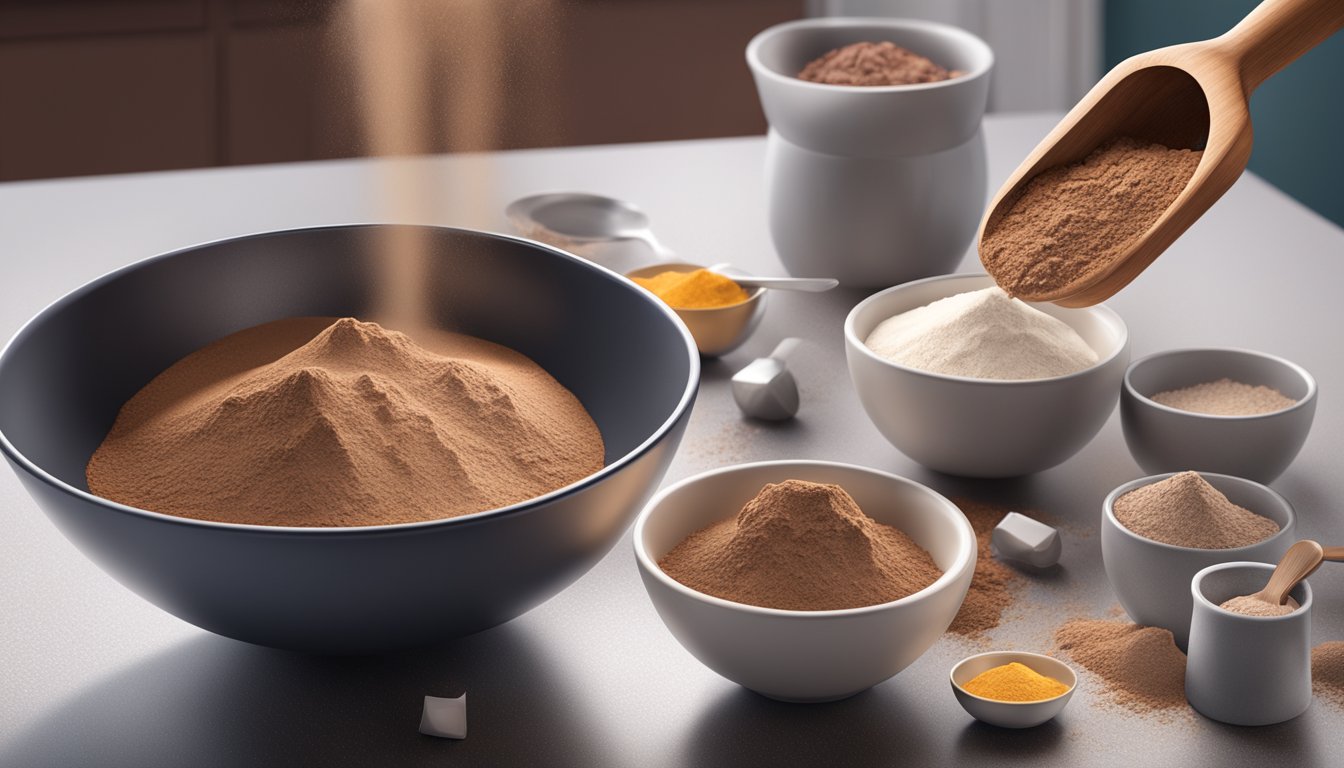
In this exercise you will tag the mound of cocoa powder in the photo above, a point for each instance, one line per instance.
(883, 63)
(1071, 223)
(801, 546)
(1141, 667)
(325, 422)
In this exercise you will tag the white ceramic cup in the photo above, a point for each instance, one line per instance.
(872, 185)
(1247, 670)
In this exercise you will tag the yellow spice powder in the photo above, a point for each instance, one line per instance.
(1014, 682)
(700, 289)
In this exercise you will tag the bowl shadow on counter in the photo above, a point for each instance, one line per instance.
(869, 728)
(214, 701)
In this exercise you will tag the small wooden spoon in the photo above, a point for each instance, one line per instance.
(1191, 96)
(1300, 561)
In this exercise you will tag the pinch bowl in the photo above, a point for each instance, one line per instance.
(368, 589)
(1012, 714)
(806, 656)
(716, 330)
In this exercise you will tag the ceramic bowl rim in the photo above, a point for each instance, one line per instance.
(957, 35)
(1103, 312)
(756, 293)
(1198, 594)
(1108, 510)
(687, 396)
(1148, 402)
(646, 562)
(952, 673)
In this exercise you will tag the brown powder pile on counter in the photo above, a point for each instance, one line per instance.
(801, 546)
(1185, 511)
(1070, 223)
(883, 63)
(1225, 397)
(323, 422)
(1327, 672)
(1142, 668)
(991, 591)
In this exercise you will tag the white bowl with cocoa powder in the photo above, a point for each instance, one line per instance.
(797, 655)
(1259, 446)
(984, 427)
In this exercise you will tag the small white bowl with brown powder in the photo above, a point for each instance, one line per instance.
(804, 581)
(1158, 532)
(1231, 411)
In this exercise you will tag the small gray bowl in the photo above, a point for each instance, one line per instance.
(1012, 714)
(984, 427)
(1166, 439)
(1151, 578)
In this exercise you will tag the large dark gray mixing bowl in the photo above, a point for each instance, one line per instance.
(348, 590)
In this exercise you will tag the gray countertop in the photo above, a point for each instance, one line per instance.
(91, 674)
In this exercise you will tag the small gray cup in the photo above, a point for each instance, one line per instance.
(1247, 670)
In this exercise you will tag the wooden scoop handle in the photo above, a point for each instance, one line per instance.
(1300, 561)
(1277, 32)
(1333, 553)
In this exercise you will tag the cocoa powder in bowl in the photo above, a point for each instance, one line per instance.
(325, 422)
(870, 64)
(801, 546)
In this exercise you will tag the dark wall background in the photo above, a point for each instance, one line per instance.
(1298, 114)
(107, 86)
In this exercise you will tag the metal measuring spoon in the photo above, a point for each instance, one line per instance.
(583, 217)
(765, 389)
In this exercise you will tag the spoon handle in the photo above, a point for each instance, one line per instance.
(809, 284)
(1276, 32)
(1333, 553)
(1300, 561)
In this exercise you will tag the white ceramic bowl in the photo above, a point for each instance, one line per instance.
(806, 655)
(1166, 439)
(1012, 714)
(1152, 579)
(983, 427)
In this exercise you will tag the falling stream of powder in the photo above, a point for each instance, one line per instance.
(406, 53)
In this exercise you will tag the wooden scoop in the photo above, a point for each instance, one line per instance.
(1189, 96)
(1300, 561)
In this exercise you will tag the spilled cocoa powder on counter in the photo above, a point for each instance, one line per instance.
(327, 422)
(865, 63)
(1071, 223)
(1327, 672)
(1141, 667)
(992, 585)
(801, 546)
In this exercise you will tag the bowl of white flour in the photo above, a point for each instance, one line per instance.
(968, 381)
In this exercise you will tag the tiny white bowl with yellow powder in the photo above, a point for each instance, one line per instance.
(1013, 689)
(719, 313)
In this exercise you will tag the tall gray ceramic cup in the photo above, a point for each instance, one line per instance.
(872, 185)
(1247, 670)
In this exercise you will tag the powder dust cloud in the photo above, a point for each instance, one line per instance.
(429, 74)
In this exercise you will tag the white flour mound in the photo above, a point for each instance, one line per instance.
(984, 335)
